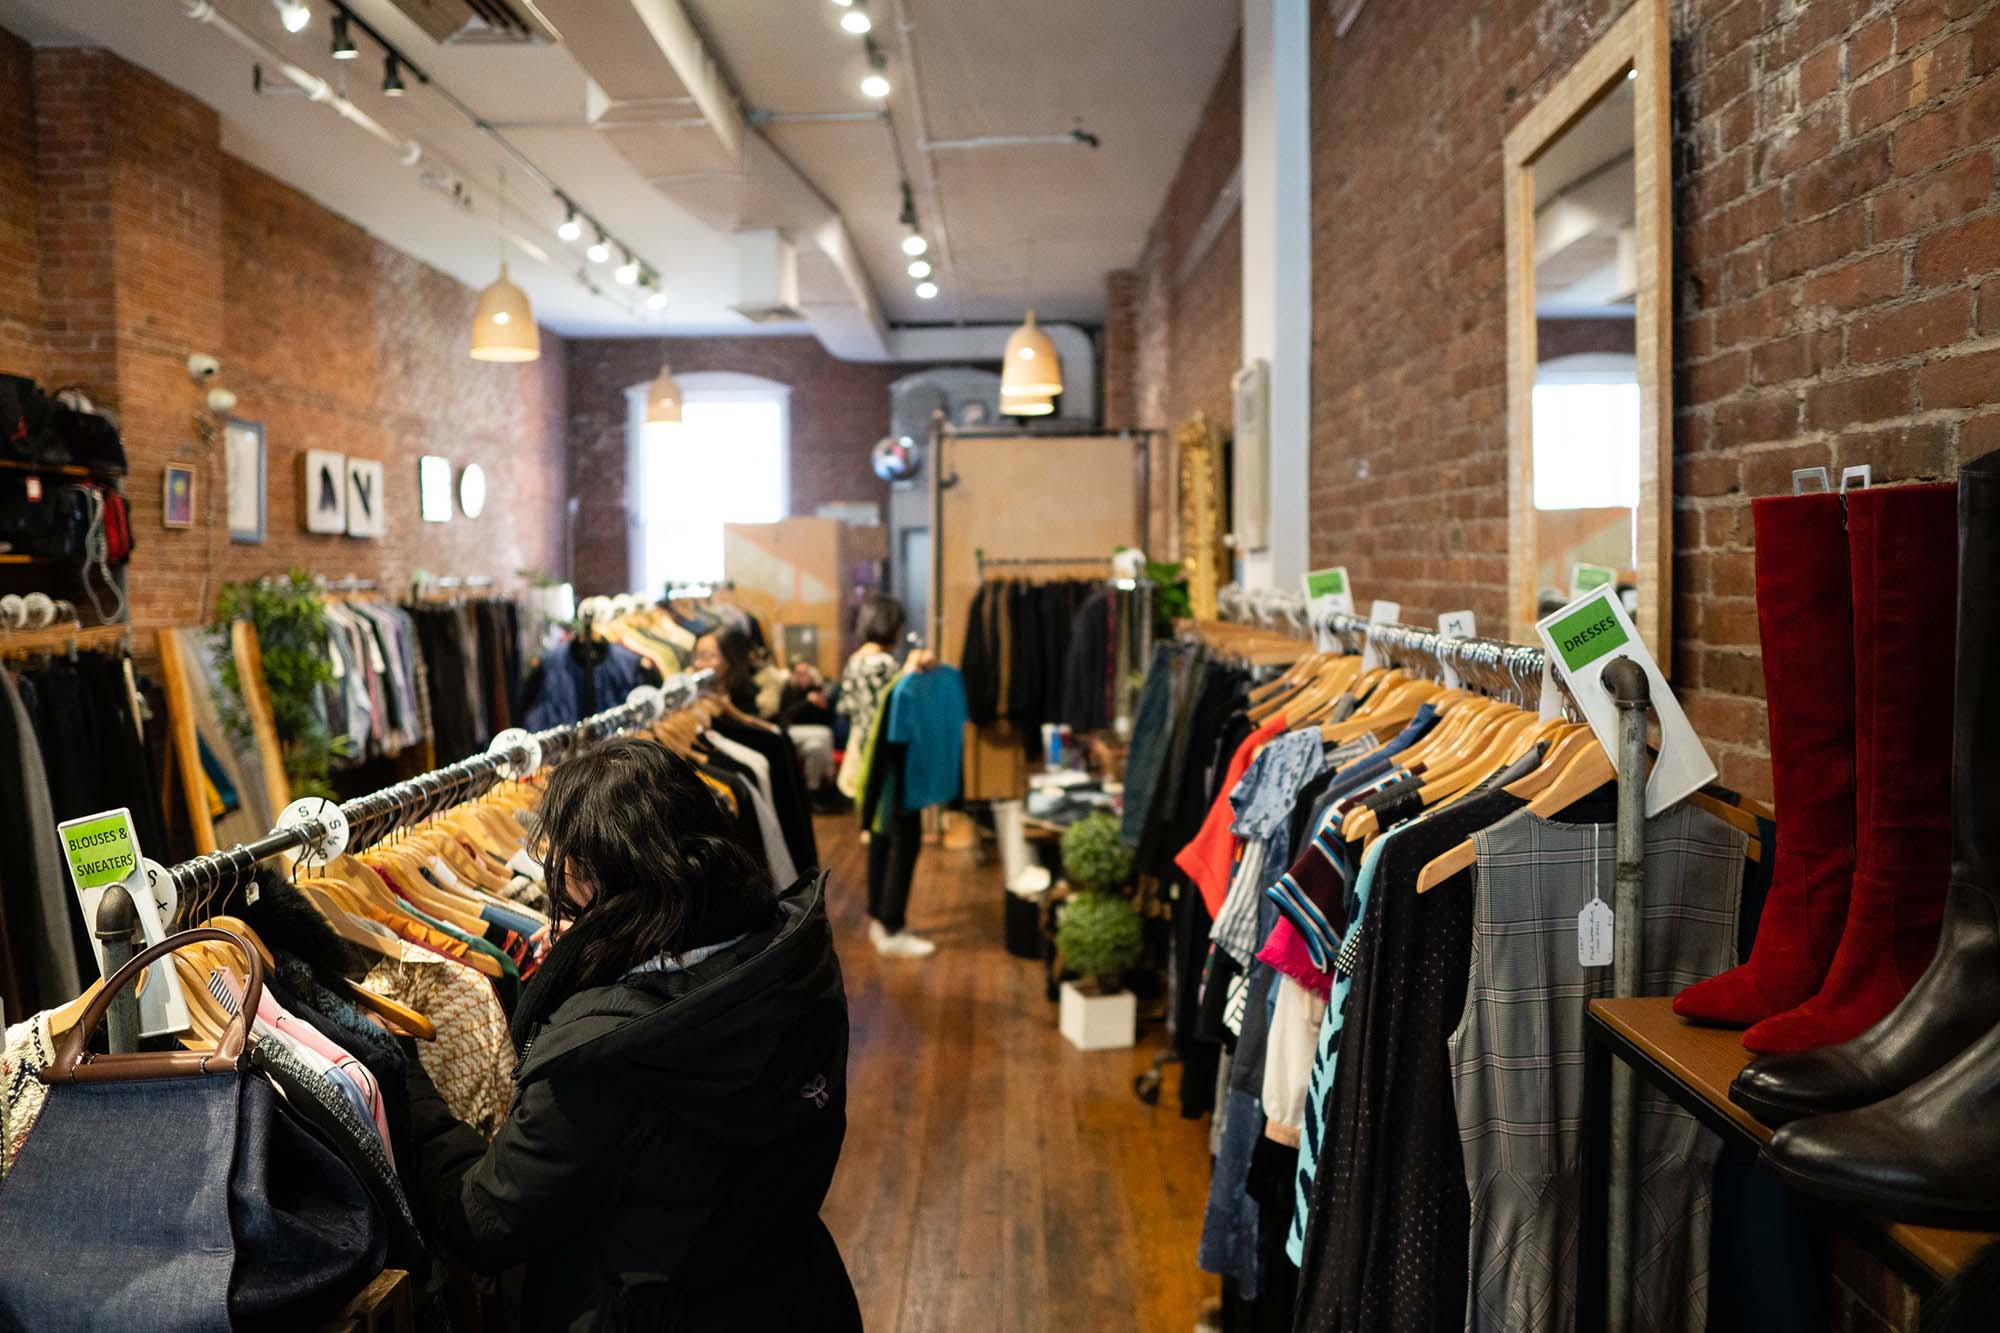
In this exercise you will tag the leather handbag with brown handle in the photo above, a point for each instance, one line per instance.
(176, 1191)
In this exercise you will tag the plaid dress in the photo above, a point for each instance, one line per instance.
(1517, 1064)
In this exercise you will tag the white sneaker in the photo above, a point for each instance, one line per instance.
(876, 934)
(902, 944)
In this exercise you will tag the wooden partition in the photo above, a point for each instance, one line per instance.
(799, 571)
(1030, 496)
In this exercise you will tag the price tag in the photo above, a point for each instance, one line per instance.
(1379, 613)
(1589, 578)
(1327, 591)
(1456, 625)
(1582, 640)
(1596, 933)
(103, 850)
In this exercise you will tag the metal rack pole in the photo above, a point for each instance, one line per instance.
(429, 789)
(117, 929)
(1631, 692)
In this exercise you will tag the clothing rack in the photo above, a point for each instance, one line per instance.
(981, 560)
(409, 802)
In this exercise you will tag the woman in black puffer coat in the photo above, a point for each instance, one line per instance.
(681, 1095)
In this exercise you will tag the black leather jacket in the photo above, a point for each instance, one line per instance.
(669, 1147)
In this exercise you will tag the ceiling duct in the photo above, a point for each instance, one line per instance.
(767, 278)
(478, 22)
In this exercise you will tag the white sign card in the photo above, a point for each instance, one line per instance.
(1456, 625)
(1582, 640)
(1327, 591)
(1380, 612)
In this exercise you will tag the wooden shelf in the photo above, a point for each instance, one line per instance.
(47, 469)
(58, 638)
(1695, 1066)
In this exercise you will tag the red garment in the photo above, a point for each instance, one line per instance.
(1209, 859)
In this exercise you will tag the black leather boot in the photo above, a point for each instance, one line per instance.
(1930, 1153)
(1957, 1000)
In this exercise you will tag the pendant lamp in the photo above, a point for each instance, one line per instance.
(1031, 369)
(503, 324)
(663, 398)
(1028, 405)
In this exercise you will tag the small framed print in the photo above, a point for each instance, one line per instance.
(325, 498)
(177, 497)
(364, 497)
(243, 479)
(434, 487)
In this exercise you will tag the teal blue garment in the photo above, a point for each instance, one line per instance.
(927, 716)
(1313, 1132)
(507, 965)
(218, 776)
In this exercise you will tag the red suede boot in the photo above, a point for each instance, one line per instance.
(1903, 544)
(1805, 623)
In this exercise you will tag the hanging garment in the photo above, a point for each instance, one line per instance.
(1517, 1057)
(927, 719)
(44, 926)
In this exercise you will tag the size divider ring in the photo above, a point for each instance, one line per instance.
(161, 881)
(332, 839)
(505, 747)
(652, 696)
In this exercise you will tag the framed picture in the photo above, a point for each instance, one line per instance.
(325, 498)
(177, 497)
(434, 483)
(243, 479)
(364, 498)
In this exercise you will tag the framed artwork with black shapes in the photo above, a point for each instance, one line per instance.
(323, 502)
(365, 500)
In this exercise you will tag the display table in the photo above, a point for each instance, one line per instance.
(1695, 1066)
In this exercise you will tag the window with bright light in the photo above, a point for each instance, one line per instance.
(723, 462)
(1586, 433)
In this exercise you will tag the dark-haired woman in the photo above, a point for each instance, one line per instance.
(731, 654)
(892, 854)
(681, 1094)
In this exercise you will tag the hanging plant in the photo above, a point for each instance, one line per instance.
(290, 621)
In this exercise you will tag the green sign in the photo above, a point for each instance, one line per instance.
(1583, 578)
(101, 849)
(1588, 633)
(1327, 582)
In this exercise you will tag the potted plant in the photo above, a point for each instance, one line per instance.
(1099, 936)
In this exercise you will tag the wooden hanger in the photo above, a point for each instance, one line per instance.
(1583, 775)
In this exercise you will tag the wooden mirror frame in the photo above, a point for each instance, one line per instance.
(1637, 42)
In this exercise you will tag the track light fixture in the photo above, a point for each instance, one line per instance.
(856, 21)
(875, 83)
(914, 244)
(294, 14)
(571, 227)
(392, 77)
(343, 45)
(627, 273)
(927, 291)
(600, 249)
(920, 268)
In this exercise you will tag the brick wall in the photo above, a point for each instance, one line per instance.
(1184, 338)
(1836, 284)
(839, 409)
(23, 340)
(149, 242)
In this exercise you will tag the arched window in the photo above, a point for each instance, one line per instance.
(726, 461)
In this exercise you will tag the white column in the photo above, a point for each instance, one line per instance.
(1277, 265)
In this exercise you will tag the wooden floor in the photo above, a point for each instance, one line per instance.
(994, 1177)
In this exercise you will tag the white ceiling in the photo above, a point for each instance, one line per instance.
(1134, 72)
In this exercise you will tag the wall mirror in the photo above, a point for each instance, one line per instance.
(1589, 296)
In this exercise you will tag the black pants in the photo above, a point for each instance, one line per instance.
(892, 864)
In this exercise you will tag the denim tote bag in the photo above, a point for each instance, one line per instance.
(174, 1192)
